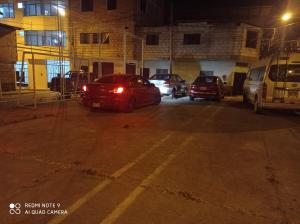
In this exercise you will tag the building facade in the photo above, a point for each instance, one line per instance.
(8, 57)
(43, 36)
(95, 36)
(104, 36)
(191, 49)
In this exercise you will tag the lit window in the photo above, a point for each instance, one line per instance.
(39, 9)
(7, 10)
(20, 5)
(45, 38)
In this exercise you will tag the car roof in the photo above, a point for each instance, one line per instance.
(127, 75)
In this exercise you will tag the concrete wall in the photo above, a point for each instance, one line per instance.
(218, 41)
(220, 48)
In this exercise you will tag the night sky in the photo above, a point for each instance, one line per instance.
(222, 11)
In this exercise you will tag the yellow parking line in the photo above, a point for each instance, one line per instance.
(103, 184)
(121, 208)
(76, 205)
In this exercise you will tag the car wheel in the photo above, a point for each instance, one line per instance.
(157, 100)
(192, 98)
(257, 108)
(245, 100)
(185, 93)
(130, 106)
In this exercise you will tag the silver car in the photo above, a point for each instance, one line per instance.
(170, 84)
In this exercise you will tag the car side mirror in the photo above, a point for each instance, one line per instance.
(152, 85)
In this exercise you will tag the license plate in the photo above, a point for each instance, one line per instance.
(202, 88)
(293, 93)
(96, 105)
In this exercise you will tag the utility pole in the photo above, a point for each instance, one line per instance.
(171, 37)
(124, 49)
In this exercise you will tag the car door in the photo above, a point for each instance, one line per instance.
(150, 91)
(140, 91)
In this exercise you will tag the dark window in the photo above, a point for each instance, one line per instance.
(152, 39)
(111, 4)
(162, 71)
(87, 5)
(161, 77)
(257, 74)
(143, 5)
(251, 41)
(203, 72)
(206, 79)
(242, 64)
(116, 79)
(105, 38)
(45, 38)
(84, 38)
(288, 73)
(95, 38)
(7, 10)
(193, 38)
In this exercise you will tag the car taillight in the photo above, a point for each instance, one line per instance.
(84, 88)
(119, 90)
(264, 92)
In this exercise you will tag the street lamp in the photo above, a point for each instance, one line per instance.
(286, 17)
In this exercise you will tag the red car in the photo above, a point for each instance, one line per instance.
(207, 87)
(120, 92)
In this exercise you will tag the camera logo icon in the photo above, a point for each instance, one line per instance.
(14, 208)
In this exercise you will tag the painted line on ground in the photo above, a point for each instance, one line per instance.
(126, 203)
(103, 184)
(81, 201)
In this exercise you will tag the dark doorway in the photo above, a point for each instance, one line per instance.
(239, 79)
(107, 68)
(146, 73)
(84, 68)
(130, 69)
(96, 68)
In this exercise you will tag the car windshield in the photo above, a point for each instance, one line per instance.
(115, 79)
(160, 77)
(206, 79)
(288, 73)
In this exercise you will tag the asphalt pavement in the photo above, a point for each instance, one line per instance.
(177, 162)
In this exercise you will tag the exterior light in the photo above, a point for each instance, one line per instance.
(20, 5)
(287, 16)
(61, 11)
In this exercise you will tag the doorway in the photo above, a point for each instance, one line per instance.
(239, 79)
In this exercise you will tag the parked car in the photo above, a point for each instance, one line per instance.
(120, 92)
(170, 84)
(273, 83)
(207, 87)
(72, 80)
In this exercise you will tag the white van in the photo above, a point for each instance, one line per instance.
(274, 82)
